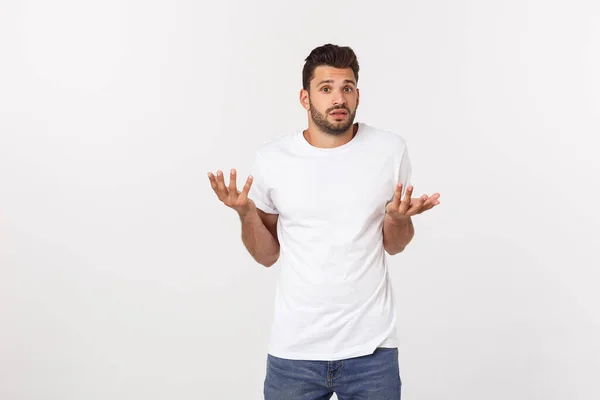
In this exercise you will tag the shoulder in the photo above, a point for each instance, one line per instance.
(278, 143)
(386, 138)
(271, 156)
(270, 153)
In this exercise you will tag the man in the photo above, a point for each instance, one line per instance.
(326, 204)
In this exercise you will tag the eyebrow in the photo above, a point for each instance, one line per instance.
(331, 81)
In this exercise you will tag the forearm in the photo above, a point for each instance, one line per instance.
(397, 234)
(259, 241)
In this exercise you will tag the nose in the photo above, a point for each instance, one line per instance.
(338, 98)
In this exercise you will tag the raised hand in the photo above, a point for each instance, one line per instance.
(229, 195)
(402, 208)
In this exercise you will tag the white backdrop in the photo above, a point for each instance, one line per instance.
(123, 277)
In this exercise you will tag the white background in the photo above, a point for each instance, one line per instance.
(123, 277)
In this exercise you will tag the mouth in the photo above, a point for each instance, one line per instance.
(338, 113)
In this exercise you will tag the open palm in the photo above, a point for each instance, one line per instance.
(400, 208)
(229, 194)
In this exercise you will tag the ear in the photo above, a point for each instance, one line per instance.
(304, 99)
(357, 97)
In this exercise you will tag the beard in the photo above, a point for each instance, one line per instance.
(332, 128)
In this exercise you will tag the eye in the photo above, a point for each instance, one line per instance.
(348, 89)
(325, 89)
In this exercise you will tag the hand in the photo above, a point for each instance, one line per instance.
(407, 207)
(229, 195)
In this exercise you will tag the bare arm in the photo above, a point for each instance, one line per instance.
(259, 234)
(397, 234)
(259, 229)
(398, 229)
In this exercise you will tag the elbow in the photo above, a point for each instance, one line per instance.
(394, 251)
(395, 239)
(395, 248)
(269, 262)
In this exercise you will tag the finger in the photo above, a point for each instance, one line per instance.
(246, 188)
(232, 181)
(416, 205)
(426, 206)
(405, 204)
(397, 196)
(213, 181)
(221, 188)
(430, 203)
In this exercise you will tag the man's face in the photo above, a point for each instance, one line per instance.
(332, 100)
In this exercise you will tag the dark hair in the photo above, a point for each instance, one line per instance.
(329, 55)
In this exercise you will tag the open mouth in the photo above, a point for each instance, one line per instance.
(338, 114)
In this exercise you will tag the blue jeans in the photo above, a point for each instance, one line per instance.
(374, 377)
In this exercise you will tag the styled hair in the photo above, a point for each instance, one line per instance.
(329, 55)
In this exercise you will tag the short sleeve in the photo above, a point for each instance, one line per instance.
(259, 192)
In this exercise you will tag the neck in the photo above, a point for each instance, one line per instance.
(318, 138)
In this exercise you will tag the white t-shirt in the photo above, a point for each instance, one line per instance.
(334, 297)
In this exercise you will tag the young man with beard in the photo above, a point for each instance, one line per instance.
(326, 204)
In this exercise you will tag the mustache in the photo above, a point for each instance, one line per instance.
(338, 108)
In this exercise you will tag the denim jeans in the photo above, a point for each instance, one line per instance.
(374, 377)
